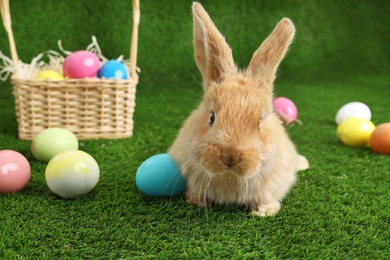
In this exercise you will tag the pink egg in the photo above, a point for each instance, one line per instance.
(81, 64)
(15, 171)
(285, 109)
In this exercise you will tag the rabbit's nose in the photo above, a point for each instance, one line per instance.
(230, 161)
(231, 158)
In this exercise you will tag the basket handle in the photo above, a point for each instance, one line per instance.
(6, 17)
(134, 38)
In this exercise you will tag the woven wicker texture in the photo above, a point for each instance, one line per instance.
(89, 108)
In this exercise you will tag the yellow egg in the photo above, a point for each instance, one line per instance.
(355, 131)
(71, 174)
(49, 74)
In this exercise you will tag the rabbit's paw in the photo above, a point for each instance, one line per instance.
(303, 163)
(197, 200)
(266, 210)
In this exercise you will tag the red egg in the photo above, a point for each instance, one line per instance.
(380, 139)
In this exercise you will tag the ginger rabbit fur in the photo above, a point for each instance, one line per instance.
(233, 149)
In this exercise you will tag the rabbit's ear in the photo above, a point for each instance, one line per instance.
(212, 54)
(266, 59)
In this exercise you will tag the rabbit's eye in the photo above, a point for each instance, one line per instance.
(212, 119)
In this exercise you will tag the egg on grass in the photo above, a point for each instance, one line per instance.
(71, 174)
(353, 109)
(355, 131)
(285, 109)
(51, 141)
(15, 171)
(380, 139)
(159, 176)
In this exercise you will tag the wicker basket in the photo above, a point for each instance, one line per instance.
(91, 108)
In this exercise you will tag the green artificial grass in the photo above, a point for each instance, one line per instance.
(338, 209)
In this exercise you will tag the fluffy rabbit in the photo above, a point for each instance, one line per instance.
(233, 149)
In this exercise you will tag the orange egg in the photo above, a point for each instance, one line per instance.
(380, 139)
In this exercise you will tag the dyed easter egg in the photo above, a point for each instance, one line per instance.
(353, 109)
(81, 64)
(355, 131)
(285, 109)
(113, 69)
(159, 176)
(71, 174)
(49, 74)
(380, 139)
(51, 141)
(15, 171)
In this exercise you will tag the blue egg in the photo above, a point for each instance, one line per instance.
(113, 69)
(159, 176)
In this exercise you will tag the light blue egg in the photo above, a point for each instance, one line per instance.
(113, 69)
(159, 176)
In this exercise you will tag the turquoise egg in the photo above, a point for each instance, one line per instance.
(113, 69)
(159, 176)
